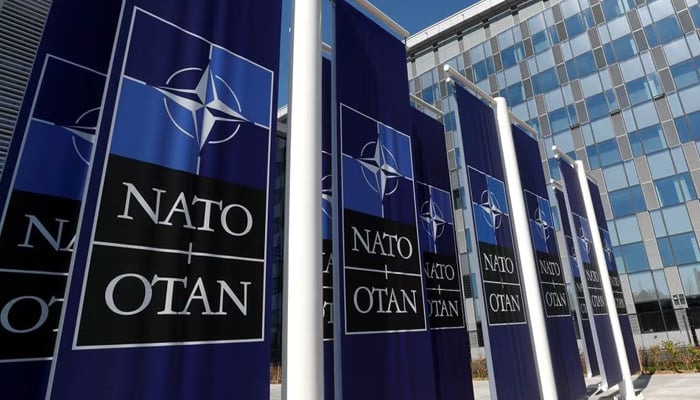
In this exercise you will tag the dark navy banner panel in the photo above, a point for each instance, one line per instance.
(168, 296)
(620, 306)
(590, 271)
(581, 298)
(506, 319)
(327, 228)
(443, 276)
(385, 350)
(42, 187)
(560, 328)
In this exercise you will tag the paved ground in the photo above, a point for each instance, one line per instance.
(652, 387)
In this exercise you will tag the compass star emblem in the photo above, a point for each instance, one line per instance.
(83, 132)
(433, 220)
(210, 102)
(586, 241)
(608, 250)
(492, 208)
(326, 195)
(379, 168)
(542, 224)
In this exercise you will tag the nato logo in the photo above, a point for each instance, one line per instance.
(59, 136)
(541, 222)
(201, 109)
(583, 234)
(491, 216)
(435, 218)
(377, 168)
(607, 248)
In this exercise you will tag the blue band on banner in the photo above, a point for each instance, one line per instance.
(42, 186)
(581, 298)
(560, 329)
(169, 279)
(616, 284)
(441, 269)
(378, 265)
(505, 324)
(590, 273)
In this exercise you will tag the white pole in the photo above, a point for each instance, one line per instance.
(626, 386)
(302, 337)
(523, 244)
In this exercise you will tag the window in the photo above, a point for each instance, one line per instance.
(545, 81)
(690, 278)
(512, 55)
(668, 29)
(663, 31)
(597, 106)
(615, 8)
(483, 69)
(581, 66)
(695, 13)
(627, 201)
(688, 127)
(585, 64)
(647, 140)
(450, 121)
(624, 47)
(627, 230)
(675, 189)
(554, 169)
(679, 249)
(515, 94)
(559, 120)
(635, 257)
(661, 165)
(603, 154)
(638, 91)
(684, 74)
(575, 25)
(540, 41)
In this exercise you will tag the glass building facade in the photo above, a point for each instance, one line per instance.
(616, 84)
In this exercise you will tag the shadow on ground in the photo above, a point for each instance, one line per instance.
(640, 383)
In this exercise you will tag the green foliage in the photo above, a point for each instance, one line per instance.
(670, 356)
(479, 369)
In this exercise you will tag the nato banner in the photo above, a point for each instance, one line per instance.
(42, 187)
(506, 331)
(580, 295)
(168, 292)
(590, 272)
(384, 349)
(441, 269)
(327, 227)
(611, 266)
(560, 329)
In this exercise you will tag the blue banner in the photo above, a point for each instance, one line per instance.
(505, 323)
(327, 226)
(168, 293)
(441, 269)
(383, 348)
(560, 329)
(42, 187)
(590, 272)
(620, 306)
(580, 296)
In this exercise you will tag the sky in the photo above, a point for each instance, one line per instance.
(413, 15)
